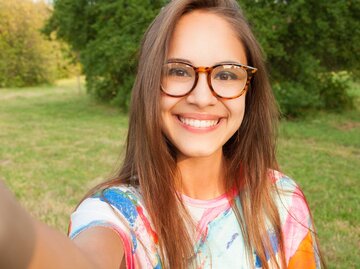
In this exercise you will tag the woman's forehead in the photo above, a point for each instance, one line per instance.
(205, 38)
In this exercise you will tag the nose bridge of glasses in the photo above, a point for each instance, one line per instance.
(206, 71)
(203, 69)
(205, 80)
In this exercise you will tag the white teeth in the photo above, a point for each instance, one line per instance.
(199, 123)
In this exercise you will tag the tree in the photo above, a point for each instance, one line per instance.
(106, 34)
(304, 42)
(26, 57)
(307, 43)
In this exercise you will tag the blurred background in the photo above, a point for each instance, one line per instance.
(66, 72)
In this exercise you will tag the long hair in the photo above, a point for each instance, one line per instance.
(150, 161)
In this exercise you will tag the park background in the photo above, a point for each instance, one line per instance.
(66, 70)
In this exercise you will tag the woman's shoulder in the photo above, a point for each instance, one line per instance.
(123, 197)
(291, 203)
(296, 223)
(290, 199)
(120, 208)
(282, 181)
(285, 186)
(115, 206)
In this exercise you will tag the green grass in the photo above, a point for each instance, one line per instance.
(56, 143)
(322, 153)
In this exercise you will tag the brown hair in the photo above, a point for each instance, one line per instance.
(150, 160)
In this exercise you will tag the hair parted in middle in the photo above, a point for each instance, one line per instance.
(150, 159)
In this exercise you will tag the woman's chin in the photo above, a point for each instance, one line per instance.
(198, 152)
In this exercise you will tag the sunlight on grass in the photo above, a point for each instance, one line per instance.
(56, 143)
(322, 153)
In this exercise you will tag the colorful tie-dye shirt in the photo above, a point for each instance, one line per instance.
(219, 241)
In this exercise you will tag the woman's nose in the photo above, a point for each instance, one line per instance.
(202, 95)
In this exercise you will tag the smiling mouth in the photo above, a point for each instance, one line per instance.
(198, 123)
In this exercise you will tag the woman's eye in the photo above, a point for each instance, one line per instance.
(226, 75)
(178, 72)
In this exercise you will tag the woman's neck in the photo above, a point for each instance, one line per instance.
(202, 177)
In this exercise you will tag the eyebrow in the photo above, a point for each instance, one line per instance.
(179, 60)
(190, 63)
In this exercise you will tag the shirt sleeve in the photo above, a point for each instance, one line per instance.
(95, 212)
(299, 236)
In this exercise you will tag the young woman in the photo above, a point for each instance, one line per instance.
(198, 187)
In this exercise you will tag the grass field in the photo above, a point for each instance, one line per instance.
(56, 143)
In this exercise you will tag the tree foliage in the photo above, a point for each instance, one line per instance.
(306, 43)
(26, 56)
(107, 35)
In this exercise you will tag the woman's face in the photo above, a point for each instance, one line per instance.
(199, 124)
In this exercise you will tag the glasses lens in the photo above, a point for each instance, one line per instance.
(228, 80)
(177, 78)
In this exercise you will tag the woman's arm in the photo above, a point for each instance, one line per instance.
(17, 232)
(27, 243)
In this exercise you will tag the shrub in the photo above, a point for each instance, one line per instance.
(334, 91)
(26, 57)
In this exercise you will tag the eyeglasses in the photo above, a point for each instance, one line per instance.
(227, 81)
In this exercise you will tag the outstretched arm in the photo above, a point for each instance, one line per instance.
(17, 232)
(28, 243)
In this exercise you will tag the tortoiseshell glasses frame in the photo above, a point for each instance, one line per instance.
(186, 76)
